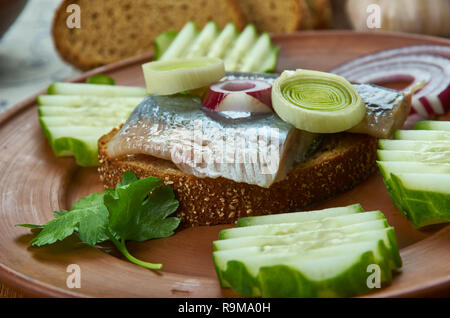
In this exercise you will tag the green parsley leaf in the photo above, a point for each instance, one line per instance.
(88, 217)
(136, 219)
(138, 210)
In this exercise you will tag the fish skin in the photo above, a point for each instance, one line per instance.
(386, 110)
(244, 147)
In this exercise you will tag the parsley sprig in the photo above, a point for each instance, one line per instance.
(137, 210)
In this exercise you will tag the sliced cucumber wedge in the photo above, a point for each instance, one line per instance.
(400, 155)
(100, 90)
(163, 41)
(422, 135)
(270, 61)
(297, 217)
(255, 57)
(415, 145)
(88, 112)
(324, 256)
(388, 167)
(244, 52)
(87, 101)
(292, 238)
(247, 270)
(242, 44)
(203, 42)
(73, 116)
(432, 125)
(223, 41)
(287, 228)
(425, 198)
(416, 172)
(68, 121)
(181, 42)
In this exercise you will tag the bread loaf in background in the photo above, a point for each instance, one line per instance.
(273, 15)
(112, 30)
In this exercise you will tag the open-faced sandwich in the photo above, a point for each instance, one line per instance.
(253, 144)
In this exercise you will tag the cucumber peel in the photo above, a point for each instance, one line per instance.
(100, 79)
(264, 259)
(416, 171)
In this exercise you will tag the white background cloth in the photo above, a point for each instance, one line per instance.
(28, 59)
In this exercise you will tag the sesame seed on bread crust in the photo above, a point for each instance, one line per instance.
(342, 161)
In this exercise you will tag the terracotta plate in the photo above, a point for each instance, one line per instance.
(33, 183)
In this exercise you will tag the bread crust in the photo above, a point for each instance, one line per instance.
(343, 161)
(273, 15)
(121, 29)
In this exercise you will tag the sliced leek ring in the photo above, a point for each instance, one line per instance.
(179, 75)
(316, 101)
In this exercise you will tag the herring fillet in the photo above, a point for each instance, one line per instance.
(257, 149)
(386, 110)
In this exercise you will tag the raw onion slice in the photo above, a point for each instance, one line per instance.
(179, 75)
(242, 95)
(430, 64)
(317, 102)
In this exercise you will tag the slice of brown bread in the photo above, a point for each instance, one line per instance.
(342, 161)
(116, 29)
(273, 15)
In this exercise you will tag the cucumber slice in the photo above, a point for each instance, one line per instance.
(414, 145)
(313, 235)
(308, 247)
(87, 112)
(433, 182)
(253, 59)
(422, 135)
(88, 101)
(297, 217)
(78, 141)
(388, 167)
(287, 228)
(64, 121)
(77, 131)
(432, 125)
(400, 155)
(242, 44)
(181, 42)
(248, 270)
(269, 64)
(223, 41)
(202, 43)
(163, 41)
(423, 198)
(101, 90)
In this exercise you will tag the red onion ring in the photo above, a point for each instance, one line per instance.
(249, 95)
(428, 63)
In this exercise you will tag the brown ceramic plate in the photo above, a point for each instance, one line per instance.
(33, 183)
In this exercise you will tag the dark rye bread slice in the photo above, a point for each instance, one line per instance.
(112, 30)
(342, 161)
(273, 15)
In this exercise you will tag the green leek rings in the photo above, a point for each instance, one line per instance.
(316, 101)
(178, 75)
